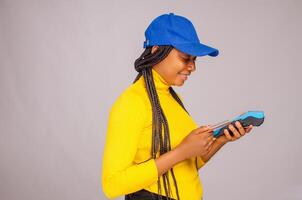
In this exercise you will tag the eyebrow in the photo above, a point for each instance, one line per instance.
(188, 56)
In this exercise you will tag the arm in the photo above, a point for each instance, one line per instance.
(219, 142)
(196, 143)
(168, 160)
(119, 174)
(202, 160)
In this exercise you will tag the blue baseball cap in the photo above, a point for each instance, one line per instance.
(178, 31)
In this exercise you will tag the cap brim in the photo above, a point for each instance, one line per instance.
(197, 49)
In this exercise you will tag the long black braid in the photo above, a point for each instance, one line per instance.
(143, 65)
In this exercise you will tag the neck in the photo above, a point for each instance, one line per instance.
(159, 82)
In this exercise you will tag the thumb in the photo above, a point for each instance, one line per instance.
(203, 129)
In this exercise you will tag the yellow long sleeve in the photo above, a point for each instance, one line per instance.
(126, 122)
(127, 164)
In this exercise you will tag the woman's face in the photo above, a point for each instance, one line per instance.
(176, 67)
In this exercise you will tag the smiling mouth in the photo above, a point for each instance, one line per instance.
(183, 76)
(185, 73)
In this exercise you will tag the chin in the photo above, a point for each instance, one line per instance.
(179, 83)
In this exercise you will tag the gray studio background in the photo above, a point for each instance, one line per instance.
(63, 63)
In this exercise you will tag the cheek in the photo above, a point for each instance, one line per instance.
(171, 75)
(177, 66)
(174, 76)
(180, 66)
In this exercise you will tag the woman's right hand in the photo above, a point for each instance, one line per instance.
(197, 143)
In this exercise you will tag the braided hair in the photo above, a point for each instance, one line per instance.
(160, 141)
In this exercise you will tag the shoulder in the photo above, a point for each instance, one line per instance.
(130, 98)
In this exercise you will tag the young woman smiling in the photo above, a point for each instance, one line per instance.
(153, 144)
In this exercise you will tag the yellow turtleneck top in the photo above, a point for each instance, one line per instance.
(127, 164)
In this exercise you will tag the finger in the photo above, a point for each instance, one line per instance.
(234, 130)
(249, 128)
(203, 129)
(227, 134)
(205, 136)
(210, 147)
(213, 141)
(208, 141)
(209, 144)
(240, 128)
(210, 138)
(207, 133)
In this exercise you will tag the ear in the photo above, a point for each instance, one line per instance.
(154, 49)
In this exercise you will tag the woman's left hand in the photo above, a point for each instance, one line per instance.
(237, 132)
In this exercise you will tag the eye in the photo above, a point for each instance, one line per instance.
(186, 59)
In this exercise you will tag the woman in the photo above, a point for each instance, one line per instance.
(154, 148)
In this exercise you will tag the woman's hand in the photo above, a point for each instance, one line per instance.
(236, 134)
(197, 143)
